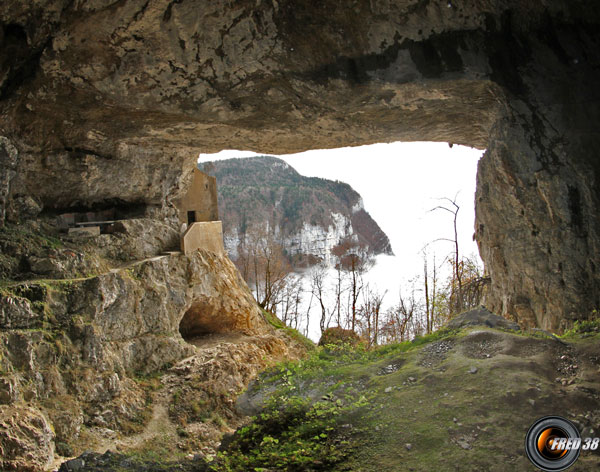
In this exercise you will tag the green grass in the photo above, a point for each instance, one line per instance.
(292, 433)
(319, 411)
(452, 419)
(586, 328)
(17, 240)
(13, 232)
(337, 359)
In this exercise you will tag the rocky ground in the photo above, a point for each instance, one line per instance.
(460, 399)
(463, 401)
(192, 405)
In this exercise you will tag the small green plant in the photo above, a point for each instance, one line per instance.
(133, 273)
(291, 332)
(198, 411)
(64, 449)
(590, 326)
(218, 420)
(196, 403)
(290, 434)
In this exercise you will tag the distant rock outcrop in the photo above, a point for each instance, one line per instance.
(481, 316)
(309, 216)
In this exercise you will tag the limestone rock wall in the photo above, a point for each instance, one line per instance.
(70, 349)
(537, 230)
(537, 186)
(26, 438)
(114, 316)
(112, 100)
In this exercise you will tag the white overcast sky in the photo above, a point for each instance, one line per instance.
(400, 183)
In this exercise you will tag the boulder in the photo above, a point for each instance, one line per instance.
(17, 313)
(26, 439)
(481, 316)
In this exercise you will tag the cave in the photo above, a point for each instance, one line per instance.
(103, 213)
(202, 321)
(516, 78)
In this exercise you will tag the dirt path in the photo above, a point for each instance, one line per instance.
(129, 265)
(159, 425)
(114, 270)
(213, 339)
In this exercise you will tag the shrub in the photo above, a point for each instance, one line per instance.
(337, 335)
(290, 434)
(588, 326)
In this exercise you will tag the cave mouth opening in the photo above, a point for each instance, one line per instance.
(106, 211)
(400, 183)
(203, 322)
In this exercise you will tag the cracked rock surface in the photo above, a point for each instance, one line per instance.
(105, 101)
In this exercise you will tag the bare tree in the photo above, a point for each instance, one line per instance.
(369, 312)
(353, 258)
(430, 290)
(403, 320)
(307, 312)
(339, 290)
(291, 300)
(264, 266)
(427, 304)
(452, 207)
(473, 283)
(317, 285)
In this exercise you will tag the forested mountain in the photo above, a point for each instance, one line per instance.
(309, 216)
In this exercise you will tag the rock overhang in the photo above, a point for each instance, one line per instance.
(116, 99)
(154, 71)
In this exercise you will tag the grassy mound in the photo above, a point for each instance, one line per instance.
(450, 401)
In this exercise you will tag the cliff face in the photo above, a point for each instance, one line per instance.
(110, 101)
(537, 225)
(107, 103)
(308, 216)
(78, 351)
(537, 192)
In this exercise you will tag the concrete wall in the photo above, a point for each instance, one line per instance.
(201, 198)
(204, 235)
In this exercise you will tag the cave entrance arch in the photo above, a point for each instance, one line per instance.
(201, 319)
(518, 78)
(202, 324)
